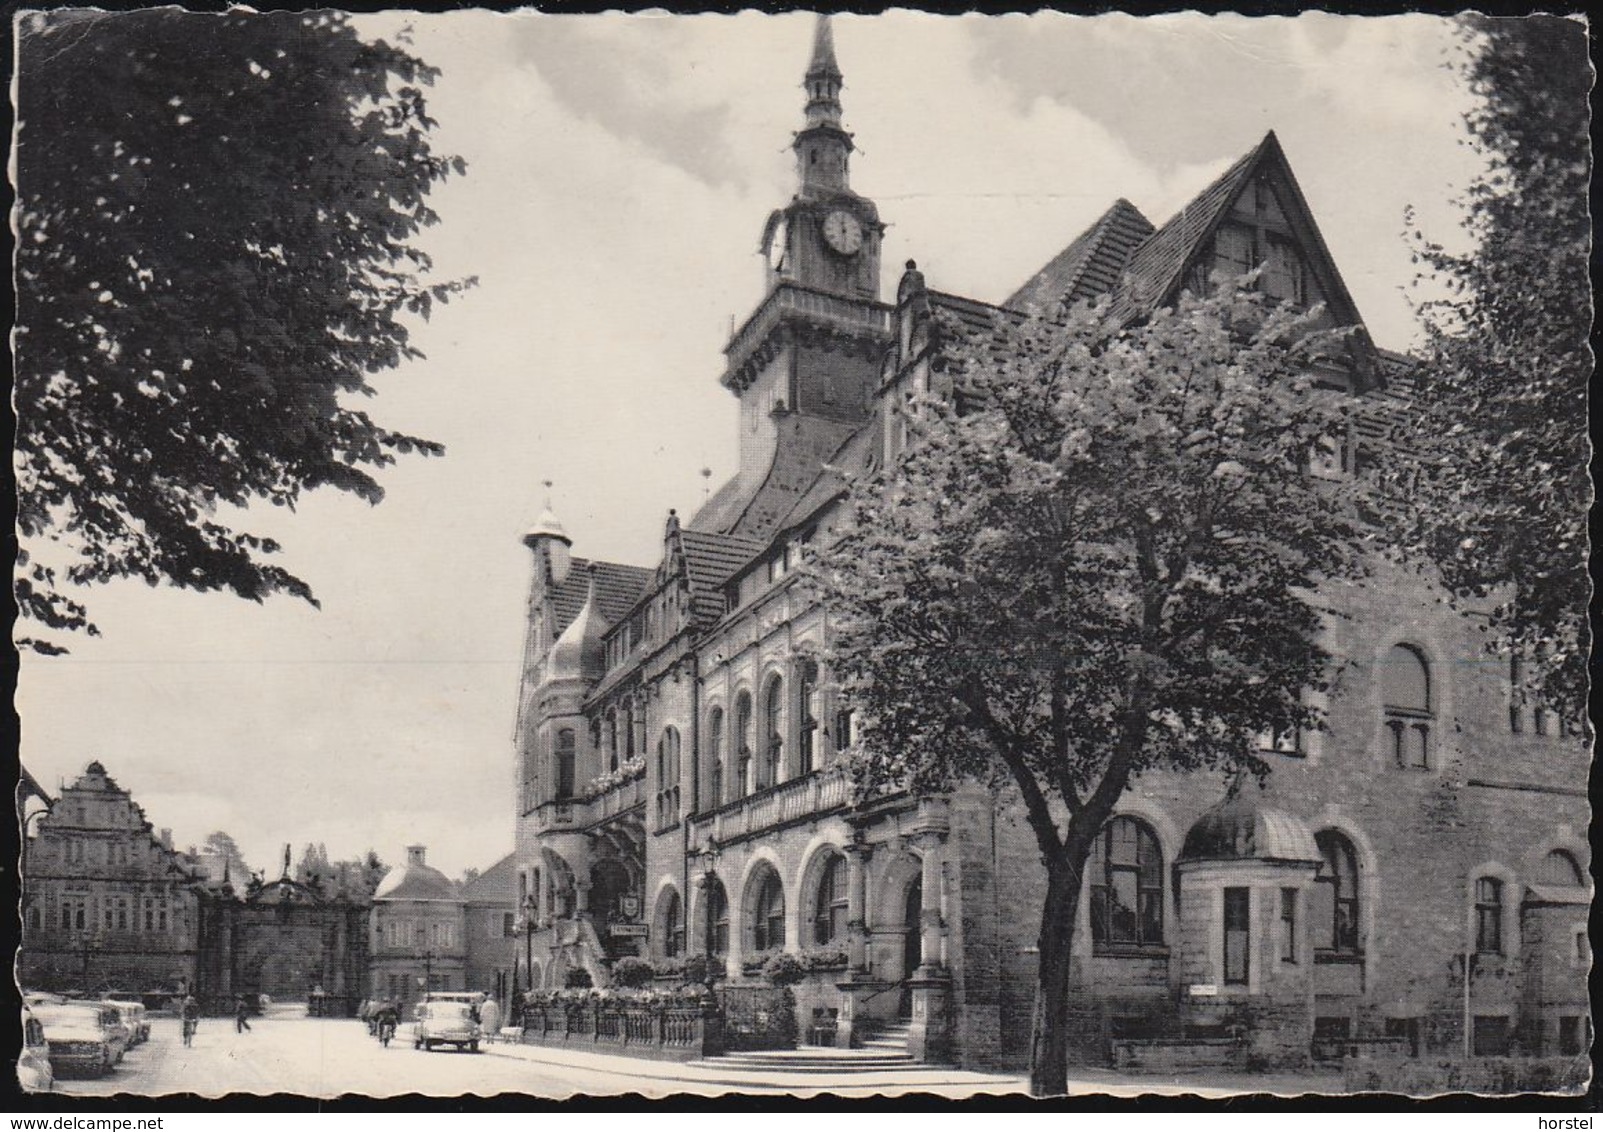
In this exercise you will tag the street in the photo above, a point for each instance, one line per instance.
(284, 1053)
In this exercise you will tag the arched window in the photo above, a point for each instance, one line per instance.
(768, 914)
(807, 728)
(774, 738)
(1560, 869)
(717, 918)
(829, 904)
(673, 925)
(668, 778)
(1406, 696)
(1334, 916)
(1126, 874)
(1489, 916)
(564, 755)
(743, 751)
(715, 759)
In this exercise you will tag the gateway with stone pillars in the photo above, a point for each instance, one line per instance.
(681, 787)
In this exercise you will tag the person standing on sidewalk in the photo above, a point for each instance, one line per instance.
(241, 1011)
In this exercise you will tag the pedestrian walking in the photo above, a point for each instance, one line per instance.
(490, 1019)
(241, 1010)
(190, 1014)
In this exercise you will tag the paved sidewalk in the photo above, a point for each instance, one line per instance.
(658, 1078)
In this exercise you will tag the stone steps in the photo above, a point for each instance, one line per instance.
(811, 1059)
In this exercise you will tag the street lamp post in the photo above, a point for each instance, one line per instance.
(427, 980)
(709, 856)
(530, 914)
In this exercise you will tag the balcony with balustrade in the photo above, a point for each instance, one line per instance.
(616, 793)
(792, 302)
(786, 803)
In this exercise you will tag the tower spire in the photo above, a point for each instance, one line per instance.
(823, 145)
(823, 79)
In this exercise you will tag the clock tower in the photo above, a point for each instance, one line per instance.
(828, 237)
(806, 363)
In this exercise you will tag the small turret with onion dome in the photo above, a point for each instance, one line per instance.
(548, 540)
(580, 652)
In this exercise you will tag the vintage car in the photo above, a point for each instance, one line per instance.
(82, 1037)
(33, 1063)
(135, 1016)
(446, 1024)
(122, 1018)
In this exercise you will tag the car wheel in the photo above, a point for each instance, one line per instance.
(417, 1043)
(428, 1044)
(473, 1047)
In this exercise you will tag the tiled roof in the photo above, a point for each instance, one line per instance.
(416, 882)
(495, 885)
(1088, 267)
(797, 459)
(720, 512)
(854, 455)
(1155, 267)
(710, 560)
(618, 587)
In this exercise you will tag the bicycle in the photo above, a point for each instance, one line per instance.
(386, 1031)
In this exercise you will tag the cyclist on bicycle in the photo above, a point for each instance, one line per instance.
(386, 1018)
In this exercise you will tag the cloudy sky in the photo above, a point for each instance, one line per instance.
(620, 170)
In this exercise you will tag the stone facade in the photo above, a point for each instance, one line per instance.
(285, 940)
(418, 928)
(679, 791)
(108, 902)
(490, 919)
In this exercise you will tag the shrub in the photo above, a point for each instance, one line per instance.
(632, 973)
(699, 970)
(577, 978)
(824, 959)
(783, 969)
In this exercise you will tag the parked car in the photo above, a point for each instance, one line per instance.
(33, 1063)
(122, 1018)
(136, 1016)
(82, 1037)
(448, 1024)
(42, 998)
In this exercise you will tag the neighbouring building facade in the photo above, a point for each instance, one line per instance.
(679, 790)
(419, 933)
(490, 918)
(107, 902)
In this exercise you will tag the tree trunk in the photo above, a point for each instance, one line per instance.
(1049, 1048)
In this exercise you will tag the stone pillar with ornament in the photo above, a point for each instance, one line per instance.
(858, 985)
(929, 1035)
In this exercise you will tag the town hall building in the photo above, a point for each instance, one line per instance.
(680, 781)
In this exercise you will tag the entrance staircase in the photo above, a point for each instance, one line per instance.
(884, 1049)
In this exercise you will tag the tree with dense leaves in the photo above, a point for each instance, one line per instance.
(1103, 566)
(1494, 454)
(221, 846)
(216, 219)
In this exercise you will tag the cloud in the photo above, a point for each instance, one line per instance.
(628, 76)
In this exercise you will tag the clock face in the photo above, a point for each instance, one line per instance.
(778, 244)
(843, 233)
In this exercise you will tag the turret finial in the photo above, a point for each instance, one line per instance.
(823, 78)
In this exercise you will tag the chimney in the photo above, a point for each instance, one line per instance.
(414, 854)
(167, 840)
